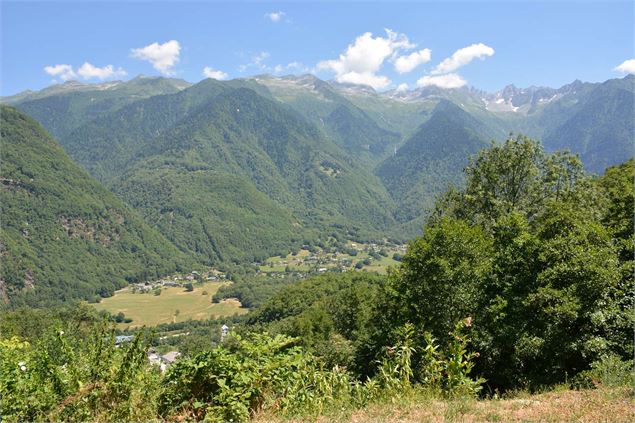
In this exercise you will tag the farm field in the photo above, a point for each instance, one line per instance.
(173, 305)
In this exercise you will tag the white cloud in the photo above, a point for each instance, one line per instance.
(628, 66)
(214, 73)
(260, 57)
(257, 62)
(296, 67)
(450, 80)
(88, 71)
(462, 57)
(63, 72)
(162, 56)
(402, 87)
(405, 64)
(275, 17)
(364, 58)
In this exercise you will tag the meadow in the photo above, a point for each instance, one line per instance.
(174, 304)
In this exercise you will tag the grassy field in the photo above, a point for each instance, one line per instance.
(590, 405)
(150, 310)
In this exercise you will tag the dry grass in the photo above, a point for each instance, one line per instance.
(597, 405)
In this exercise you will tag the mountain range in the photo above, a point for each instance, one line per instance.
(236, 171)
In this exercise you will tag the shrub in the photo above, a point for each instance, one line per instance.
(63, 377)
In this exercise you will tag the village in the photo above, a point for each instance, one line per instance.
(373, 257)
(309, 260)
(178, 281)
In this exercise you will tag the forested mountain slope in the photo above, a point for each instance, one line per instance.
(242, 175)
(311, 150)
(601, 130)
(432, 159)
(63, 235)
(63, 108)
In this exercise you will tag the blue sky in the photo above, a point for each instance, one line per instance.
(481, 44)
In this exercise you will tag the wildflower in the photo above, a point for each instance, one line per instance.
(22, 366)
(468, 322)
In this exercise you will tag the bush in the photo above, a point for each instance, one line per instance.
(63, 377)
(610, 371)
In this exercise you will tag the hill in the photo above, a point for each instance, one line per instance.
(63, 235)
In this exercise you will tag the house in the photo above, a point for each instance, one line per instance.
(121, 339)
(224, 330)
(322, 269)
(169, 358)
(163, 361)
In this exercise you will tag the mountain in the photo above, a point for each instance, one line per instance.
(64, 107)
(431, 159)
(264, 177)
(321, 103)
(601, 128)
(63, 235)
(310, 156)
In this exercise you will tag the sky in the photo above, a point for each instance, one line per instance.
(387, 45)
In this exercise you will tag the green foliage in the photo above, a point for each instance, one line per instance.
(64, 377)
(253, 291)
(610, 371)
(63, 235)
(529, 249)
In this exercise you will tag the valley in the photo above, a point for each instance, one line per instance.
(299, 248)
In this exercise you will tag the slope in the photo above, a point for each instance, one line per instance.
(602, 129)
(63, 236)
(296, 181)
(346, 124)
(64, 107)
(432, 159)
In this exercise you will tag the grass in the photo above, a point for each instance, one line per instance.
(590, 405)
(151, 310)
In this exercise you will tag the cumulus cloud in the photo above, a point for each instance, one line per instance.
(63, 72)
(405, 64)
(628, 66)
(462, 57)
(275, 17)
(209, 72)
(402, 87)
(363, 58)
(88, 71)
(450, 80)
(162, 56)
